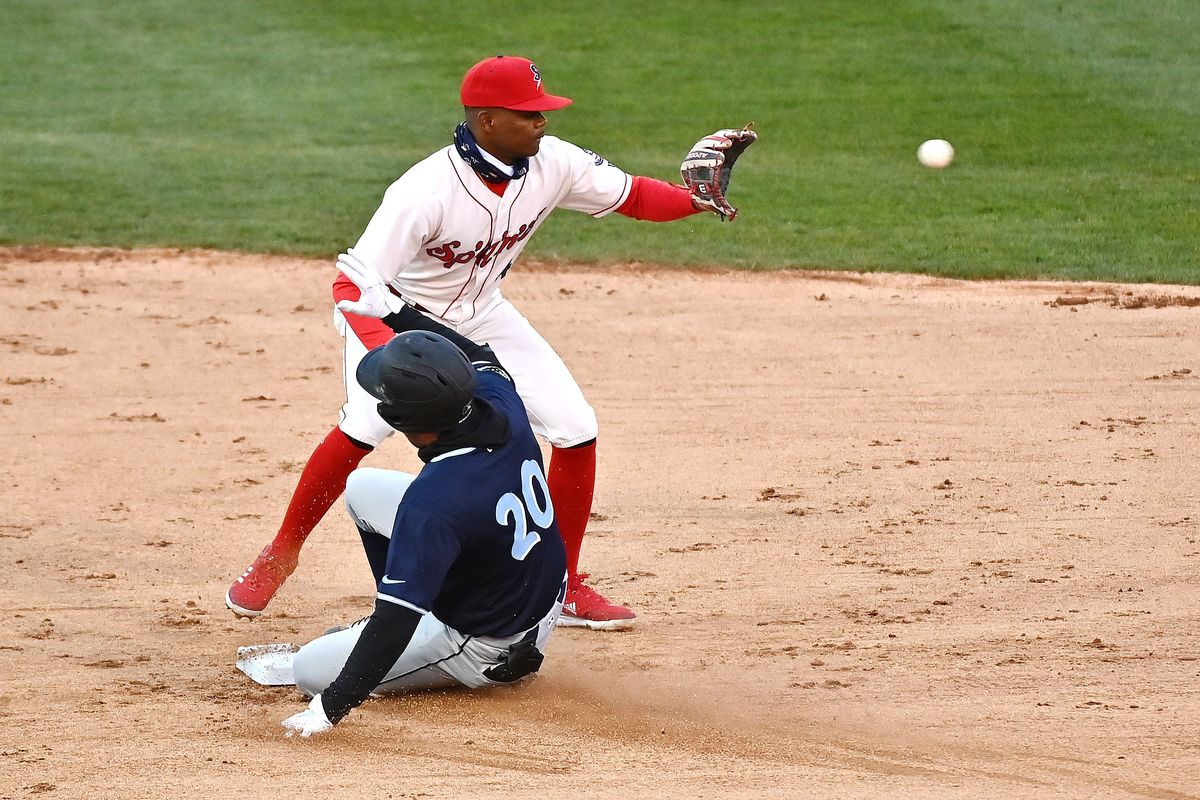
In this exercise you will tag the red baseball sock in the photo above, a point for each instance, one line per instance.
(322, 481)
(572, 481)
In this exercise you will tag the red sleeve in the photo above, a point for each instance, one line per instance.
(657, 201)
(370, 331)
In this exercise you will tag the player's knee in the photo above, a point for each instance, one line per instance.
(372, 496)
(362, 490)
(356, 484)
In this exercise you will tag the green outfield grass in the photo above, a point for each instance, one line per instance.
(276, 125)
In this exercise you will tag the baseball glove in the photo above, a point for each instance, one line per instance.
(707, 167)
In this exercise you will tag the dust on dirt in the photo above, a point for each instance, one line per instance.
(1128, 300)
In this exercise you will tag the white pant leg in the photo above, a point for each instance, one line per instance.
(373, 497)
(557, 409)
(437, 656)
(320, 661)
(359, 418)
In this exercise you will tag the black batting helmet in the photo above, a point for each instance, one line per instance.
(423, 382)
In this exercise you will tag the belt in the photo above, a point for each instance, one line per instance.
(417, 306)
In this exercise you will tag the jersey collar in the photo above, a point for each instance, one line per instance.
(485, 165)
(462, 451)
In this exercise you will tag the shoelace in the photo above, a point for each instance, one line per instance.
(579, 587)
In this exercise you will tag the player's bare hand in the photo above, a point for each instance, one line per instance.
(311, 720)
(707, 168)
(376, 299)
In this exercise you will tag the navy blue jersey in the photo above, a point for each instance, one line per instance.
(475, 540)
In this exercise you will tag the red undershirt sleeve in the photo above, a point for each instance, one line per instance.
(657, 201)
(370, 331)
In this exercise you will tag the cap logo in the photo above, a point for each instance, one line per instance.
(537, 76)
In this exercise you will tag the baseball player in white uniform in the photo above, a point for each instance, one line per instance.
(442, 241)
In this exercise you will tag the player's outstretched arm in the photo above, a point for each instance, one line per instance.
(310, 721)
(384, 638)
(409, 319)
(653, 200)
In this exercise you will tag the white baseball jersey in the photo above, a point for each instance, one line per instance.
(443, 240)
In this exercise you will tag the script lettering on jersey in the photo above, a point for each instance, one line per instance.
(449, 253)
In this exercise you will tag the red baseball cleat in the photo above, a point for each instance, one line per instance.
(584, 607)
(249, 594)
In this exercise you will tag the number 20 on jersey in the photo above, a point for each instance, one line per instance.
(529, 515)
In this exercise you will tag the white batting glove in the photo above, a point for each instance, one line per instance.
(309, 721)
(376, 300)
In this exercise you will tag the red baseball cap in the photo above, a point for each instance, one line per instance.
(508, 82)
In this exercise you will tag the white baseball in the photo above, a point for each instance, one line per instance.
(935, 153)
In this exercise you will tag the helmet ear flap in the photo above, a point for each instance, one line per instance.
(408, 420)
(390, 414)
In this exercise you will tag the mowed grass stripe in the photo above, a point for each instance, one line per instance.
(275, 126)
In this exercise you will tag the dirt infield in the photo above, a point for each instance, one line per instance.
(888, 536)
